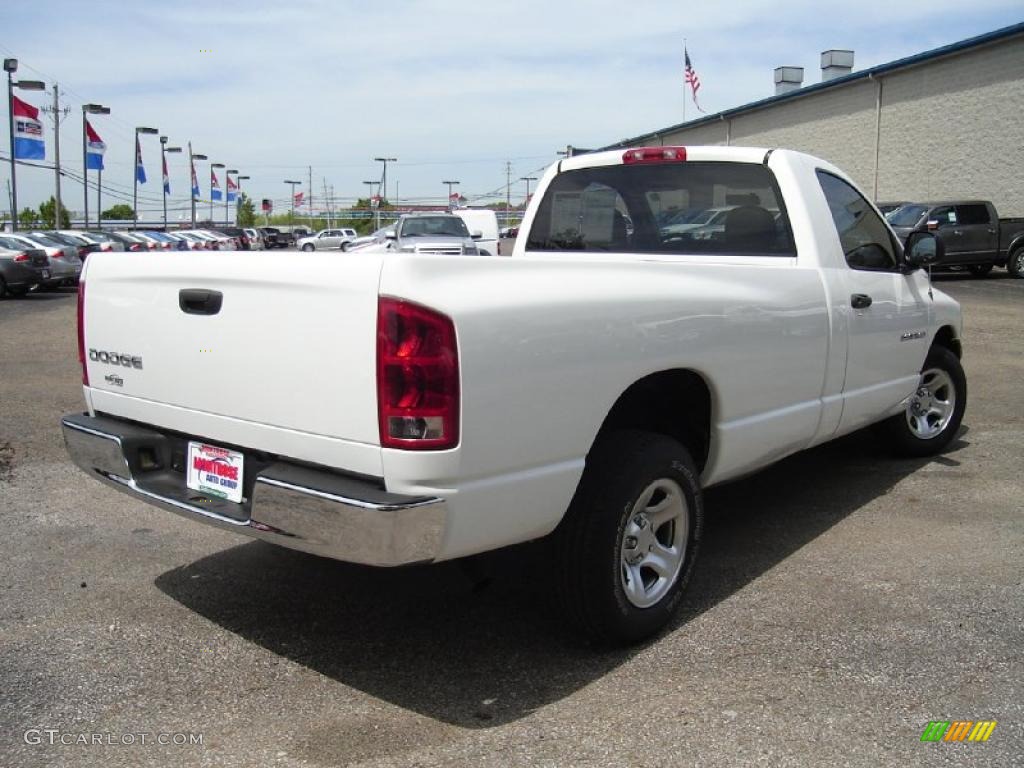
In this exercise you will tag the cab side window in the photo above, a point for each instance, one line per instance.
(866, 241)
(945, 215)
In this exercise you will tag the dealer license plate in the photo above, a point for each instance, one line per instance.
(215, 471)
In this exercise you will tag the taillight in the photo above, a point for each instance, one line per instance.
(642, 155)
(53, 253)
(134, 247)
(81, 332)
(22, 257)
(417, 377)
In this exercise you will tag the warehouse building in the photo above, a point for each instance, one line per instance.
(944, 124)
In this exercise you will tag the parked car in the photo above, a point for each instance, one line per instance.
(22, 269)
(888, 207)
(327, 238)
(193, 241)
(65, 266)
(972, 232)
(255, 239)
(116, 241)
(224, 242)
(646, 369)
(271, 237)
(374, 238)
(238, 235)
(83, 245)
(441, 233)
(482, 224)
(90, 238)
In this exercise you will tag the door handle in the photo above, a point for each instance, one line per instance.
(199, 301)
(957, 232)
(860, 301)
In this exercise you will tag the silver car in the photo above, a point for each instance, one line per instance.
(326, 239)
(433, 233)
(65, 266)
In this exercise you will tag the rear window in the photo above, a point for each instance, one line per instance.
(680, 208)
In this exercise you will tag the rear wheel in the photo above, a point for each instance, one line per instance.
(980, 270)
(1015, 264)
(932, 417)
(344, 246)
(628, 543)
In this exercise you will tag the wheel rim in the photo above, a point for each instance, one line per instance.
(1018, 260)
(931, 408)
(653, 544)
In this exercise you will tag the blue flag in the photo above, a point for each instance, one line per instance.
(140, 172)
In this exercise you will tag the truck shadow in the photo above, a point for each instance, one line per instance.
(481, 646)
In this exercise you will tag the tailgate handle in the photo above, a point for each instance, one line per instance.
(199, 301)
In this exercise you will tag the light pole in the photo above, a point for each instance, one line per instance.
(384, 176)
(291, 218)
(135, 176)
(238, 204)
(10, 67)
(376, 208)
(227, 194)
(89, 109)
(193, 182)
(165, 181)
(212, 166)
(450, 185)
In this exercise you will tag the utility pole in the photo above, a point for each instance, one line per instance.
(58, 115)
(384, 176)
(528, 179)
(508, 190)
(310, 188)
(291, 218)
(327, 202)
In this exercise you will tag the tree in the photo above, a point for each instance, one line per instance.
(121, 211)
(246, 211)
(46, 215)
(28, 218)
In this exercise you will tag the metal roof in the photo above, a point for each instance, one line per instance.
(909, 61)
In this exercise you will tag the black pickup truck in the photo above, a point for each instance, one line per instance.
(276, 238)
(974, 235)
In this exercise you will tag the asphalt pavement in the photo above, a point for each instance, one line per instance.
(844, 599)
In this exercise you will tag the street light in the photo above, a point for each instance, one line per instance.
(165, 181)
(91, 109)
(212, 166)
(238, 204)
(227, 193)
(384, 176)
(294, 184)
(135, 176)
(193, 181)
(10, 67)
(450, 185)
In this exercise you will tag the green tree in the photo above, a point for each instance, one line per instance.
(46, 215)
(246, 211)
(121, 211)
(28, 218)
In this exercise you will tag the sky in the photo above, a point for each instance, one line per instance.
(453, 90)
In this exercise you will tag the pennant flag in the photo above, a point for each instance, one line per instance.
(140, 172)
(94, 149)
(28, 131)
(691, 79)
(214, 186)
(298, 198)
(232, 190)
(167, 179)
(195, 182)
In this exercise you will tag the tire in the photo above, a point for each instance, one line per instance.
(980, 270)
(612, 584)
(307, 248)
(3, 288)
(932, 418)
(344, 246)
(1015, 264)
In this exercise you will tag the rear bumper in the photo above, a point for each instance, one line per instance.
(312, 510)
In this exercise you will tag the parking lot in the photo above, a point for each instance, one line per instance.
(843, 600)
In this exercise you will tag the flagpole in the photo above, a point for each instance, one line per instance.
(684, 83)
(85, 171)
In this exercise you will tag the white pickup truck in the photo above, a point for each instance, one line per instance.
(391, 408)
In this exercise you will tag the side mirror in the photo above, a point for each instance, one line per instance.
(476, 234)
(932, 225)
(391, 235)
(921, 250)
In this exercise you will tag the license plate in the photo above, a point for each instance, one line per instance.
(46, 274)
(215, 471)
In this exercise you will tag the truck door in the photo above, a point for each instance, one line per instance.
(887, 311)
(978, 232)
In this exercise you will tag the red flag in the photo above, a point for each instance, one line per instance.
(298, 198)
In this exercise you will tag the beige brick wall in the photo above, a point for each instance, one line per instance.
(952, 128)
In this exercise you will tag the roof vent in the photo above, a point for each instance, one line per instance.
(788, 79)
(835, 63)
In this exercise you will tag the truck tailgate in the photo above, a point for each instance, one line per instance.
(291, 348)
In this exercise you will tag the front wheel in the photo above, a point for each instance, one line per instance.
(627, 546)
(307, 248)
(1015, 264)
(932, 417)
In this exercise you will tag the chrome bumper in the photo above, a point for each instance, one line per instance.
(299, 507)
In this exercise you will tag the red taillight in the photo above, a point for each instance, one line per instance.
(417, 377)
(53, 253)
(106, 247)
(81, 331)
(134, 247)
(22, 257)
(654, 155)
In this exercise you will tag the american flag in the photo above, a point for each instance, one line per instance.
(691, 79)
